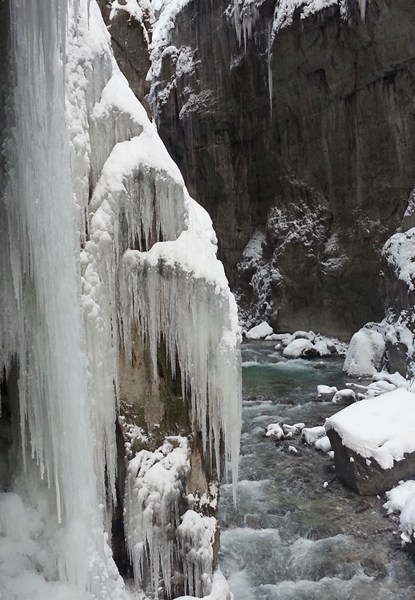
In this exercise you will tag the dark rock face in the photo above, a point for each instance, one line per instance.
(130, 39)
(367, 477)
(325, 174)
(4, 78)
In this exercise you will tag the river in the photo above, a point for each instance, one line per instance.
(297, 533)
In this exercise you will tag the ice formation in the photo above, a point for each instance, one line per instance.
(245, 13)
(197, 534)
(155, 485)
(99, 236)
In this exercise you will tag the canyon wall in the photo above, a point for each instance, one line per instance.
(299, 139)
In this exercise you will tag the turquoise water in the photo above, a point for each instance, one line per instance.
(289, 537)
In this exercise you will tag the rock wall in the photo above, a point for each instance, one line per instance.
(316, 152)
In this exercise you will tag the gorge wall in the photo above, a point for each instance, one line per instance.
(298, 138)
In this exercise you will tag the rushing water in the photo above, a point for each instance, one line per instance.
(290, 536)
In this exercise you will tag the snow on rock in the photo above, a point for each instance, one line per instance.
(323, 444)
(365, 353)
(275, 430)
(311, 434)
(399, 251)
(293, 429)
(259, 332)
(325, 393)
(245, 13)
(399, 495)
(299, 348)
(401, 499)
(182, 61)
(306, 335)
(380, 428)
(344, 396)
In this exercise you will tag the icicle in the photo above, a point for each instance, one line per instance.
(155, 485)
(197, 535)
(166, 295)
(362, 6)
(269, 64)
(245, 14)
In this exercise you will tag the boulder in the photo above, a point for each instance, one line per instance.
(300, 348)
(346, 396)
(374, 441)
(325, 393)
(366, 476)
(365, 353)
(259, 332)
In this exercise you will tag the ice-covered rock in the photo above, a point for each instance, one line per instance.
(365, 353)
(259, 332)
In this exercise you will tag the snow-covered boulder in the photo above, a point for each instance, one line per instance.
(311, 434)
(259, 332)
(346, 396)
(325, 393)
(401, 499)
(293, 429)
(323, 444)
(306, 335)
(275, 430)
(299, 348)
(365, 353)
(322, 348)
(374, 441)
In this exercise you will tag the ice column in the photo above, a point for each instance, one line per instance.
(39, 252)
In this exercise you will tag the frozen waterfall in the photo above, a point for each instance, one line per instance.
(100, 241)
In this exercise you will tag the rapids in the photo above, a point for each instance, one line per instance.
(291, 538)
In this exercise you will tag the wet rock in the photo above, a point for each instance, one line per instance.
(397, 355)
(365, 476)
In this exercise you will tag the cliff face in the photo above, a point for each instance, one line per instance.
(306, 140)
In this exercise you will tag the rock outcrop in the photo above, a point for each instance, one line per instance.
(308, 139)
